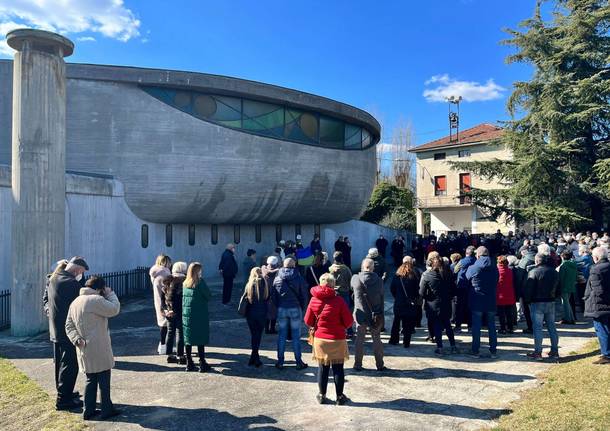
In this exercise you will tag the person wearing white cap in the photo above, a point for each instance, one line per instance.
(269, 272)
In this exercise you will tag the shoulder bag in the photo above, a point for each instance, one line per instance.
(312, 331)
(377, 320)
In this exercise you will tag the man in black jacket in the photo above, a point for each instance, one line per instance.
(541, 291)
(228, 270)
(382, 245)
(597, 301)
(63, 288)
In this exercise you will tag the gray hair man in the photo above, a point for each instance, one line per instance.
(379, 261)
(597, 301)
(368, 312)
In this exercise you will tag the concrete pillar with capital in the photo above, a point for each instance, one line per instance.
(419, 218)
(38, 170)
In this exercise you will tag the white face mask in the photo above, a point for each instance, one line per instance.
(79, 277)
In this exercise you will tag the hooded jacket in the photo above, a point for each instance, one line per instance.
(343, 278)
(63, 289)
(370, 284)
(505, 294)
(157, 274)
(290, 289)
(331, 311)
(597, 292)
(88, 320)
(483, 276)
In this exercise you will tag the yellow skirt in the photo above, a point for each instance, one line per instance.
(329, 352)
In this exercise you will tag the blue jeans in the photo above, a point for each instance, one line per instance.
(602, 329)
(289, 317)
(477, 319)
(544, 311)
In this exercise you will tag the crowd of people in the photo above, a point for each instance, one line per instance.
(458, 282)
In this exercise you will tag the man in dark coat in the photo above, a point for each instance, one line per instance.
(63, 288)
(526, 263)
(483, 276)
(315, 245)
(382, 245)
(597, 301)
(228, 270)
(397, 250)
(541, 291)
(462, 311)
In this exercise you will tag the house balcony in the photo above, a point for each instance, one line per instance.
(438, 202)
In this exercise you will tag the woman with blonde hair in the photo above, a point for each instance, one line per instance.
(195, 316)
(328, 315)
(253, 305)
(158, 273)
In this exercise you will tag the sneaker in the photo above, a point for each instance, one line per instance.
(322, 399)
(341, 400)
(553, 355)
(602, 360)
(302, 366)
(172, 359)
(162, 349)
(535, 356)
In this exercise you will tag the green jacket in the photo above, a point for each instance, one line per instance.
(195, 315)
(567, 276)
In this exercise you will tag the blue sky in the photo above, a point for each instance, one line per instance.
(376, 55)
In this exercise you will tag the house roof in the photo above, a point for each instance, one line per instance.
(479, 134)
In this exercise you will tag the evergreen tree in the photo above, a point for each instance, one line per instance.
(559, 131)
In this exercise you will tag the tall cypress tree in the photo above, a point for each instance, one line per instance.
(560, 121)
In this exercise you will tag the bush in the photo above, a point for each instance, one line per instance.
(391, 206)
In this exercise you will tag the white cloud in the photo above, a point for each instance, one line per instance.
(470, 91)
(85, 39)
(109, 18)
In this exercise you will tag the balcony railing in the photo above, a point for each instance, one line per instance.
(444, 201)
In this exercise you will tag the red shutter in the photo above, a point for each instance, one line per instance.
(440, 184)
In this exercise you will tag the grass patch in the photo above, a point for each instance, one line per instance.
(574, 396)
(25, 406)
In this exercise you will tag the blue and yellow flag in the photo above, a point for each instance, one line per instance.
(305, 256)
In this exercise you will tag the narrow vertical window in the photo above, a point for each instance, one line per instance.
(278, 233)
(191, 234)
(214, 234)
(440, 186)
(144, 236)
(236, 234)
(258, 233)
(169, 237)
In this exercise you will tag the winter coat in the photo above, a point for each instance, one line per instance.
(597, 292)
(228, 264)
(247, 265)
(380, 265)
(63, 289)
(88, 320)
(505, 292)
(542, 284)
(382, 246)
(289, 289)
(405, 291)
(331, 311)
(461, 268)
(343, 278)
(258, 308)
(195, 314)
(315, 247)
(483, 276)
(370, 284)
(173, 296)
(269, 275)
(567, 276)
(157, 274)
(584, 264)
(436, 289)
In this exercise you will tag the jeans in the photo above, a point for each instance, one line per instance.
(95, 380)
(359, 348)
(289, 317)
(338, 377)
(174, 325)
(66, 370)
(477, 319)
(567, 307)
(256, 332)
(227, 289)
(439, 324)
(544, 311)
(602, 329)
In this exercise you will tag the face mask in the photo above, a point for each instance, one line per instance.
(79, 277)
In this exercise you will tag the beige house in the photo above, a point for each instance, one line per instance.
(440, 188)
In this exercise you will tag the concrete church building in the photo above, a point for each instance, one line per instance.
(154, 161)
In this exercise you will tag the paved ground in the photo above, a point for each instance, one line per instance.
(419, 392)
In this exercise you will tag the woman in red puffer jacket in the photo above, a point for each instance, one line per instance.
(505, 295)
(330, 316)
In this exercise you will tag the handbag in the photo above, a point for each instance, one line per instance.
(405, 292)
(312, 331)
(243, 305)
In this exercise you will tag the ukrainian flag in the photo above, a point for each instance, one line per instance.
(305, 256)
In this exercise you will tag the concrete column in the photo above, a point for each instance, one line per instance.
(38, 170)
(419, 220)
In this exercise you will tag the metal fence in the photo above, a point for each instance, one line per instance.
(124, 283)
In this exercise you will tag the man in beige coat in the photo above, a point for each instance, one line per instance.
(87, 329)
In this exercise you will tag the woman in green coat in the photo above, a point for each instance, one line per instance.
(195, 317)
(567, 284)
